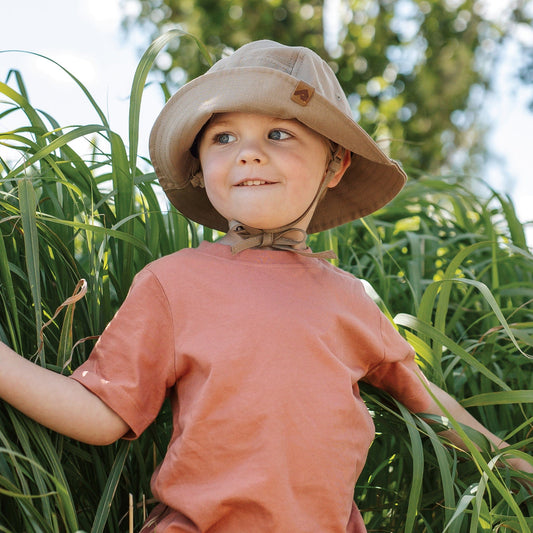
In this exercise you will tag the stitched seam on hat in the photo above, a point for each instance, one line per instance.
(297, 62)
(270, 62)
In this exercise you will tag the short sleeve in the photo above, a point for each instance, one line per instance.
(132, 364)
(397, 373)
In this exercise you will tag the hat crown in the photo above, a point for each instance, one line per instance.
(297, 61)
(288, 82)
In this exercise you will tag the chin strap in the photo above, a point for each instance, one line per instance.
(242, 237)
(288, 238)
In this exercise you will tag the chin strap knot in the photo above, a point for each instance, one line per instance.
(245, 237)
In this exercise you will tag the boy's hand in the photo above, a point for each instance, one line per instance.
(461, 415)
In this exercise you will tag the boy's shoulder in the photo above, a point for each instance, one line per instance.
(171, 262)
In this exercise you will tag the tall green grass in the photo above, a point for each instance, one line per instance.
(451, 266)
(446, 261)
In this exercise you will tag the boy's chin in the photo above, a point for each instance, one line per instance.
(270, 223)
(265, 225)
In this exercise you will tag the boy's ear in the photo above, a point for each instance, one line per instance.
(346, 161)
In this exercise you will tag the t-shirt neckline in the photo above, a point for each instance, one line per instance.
(256, 255)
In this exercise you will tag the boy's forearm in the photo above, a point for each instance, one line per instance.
(56, 401)
(460, 414)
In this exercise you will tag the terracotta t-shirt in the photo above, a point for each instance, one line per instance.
(261, 353)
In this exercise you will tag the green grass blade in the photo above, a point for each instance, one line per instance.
(414, 323)
(417, 454)
(54, 145)
(499, 398)
(23, 103)
(139, 81)
(76, 80)
(11, 303)
(111, 486)
(444, 471)
(98, 230)
(28, 205)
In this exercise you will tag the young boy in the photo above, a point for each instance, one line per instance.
(259, 342)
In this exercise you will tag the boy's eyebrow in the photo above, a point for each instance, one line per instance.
(216, 121)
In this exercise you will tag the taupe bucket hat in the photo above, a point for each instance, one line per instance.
(286, 82)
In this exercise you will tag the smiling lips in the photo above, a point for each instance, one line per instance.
(248, 183)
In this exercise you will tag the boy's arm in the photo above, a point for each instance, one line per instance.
(56, 401)
(460, 414)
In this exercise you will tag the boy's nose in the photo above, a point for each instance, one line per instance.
(251, 152)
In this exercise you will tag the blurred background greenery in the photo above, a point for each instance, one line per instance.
(416, 71)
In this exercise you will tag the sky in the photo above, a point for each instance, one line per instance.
(85, 37)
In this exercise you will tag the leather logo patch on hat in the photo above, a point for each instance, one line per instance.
(303, 93)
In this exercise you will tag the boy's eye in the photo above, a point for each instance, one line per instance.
(279, 135)
(224, 138)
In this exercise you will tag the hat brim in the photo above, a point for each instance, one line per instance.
(370, 182)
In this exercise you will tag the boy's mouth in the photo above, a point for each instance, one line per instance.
(253, 182)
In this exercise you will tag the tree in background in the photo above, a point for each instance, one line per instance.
(416, 71)
(526, 44)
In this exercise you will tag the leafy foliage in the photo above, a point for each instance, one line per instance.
(415, 70)
(431, 256)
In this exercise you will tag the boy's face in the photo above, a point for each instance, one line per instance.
(261, 170)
